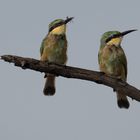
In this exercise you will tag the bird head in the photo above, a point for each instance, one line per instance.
(58, 26)
(114, 37)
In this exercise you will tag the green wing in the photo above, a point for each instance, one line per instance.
(100, 55)
(123, 60)
(42, 47)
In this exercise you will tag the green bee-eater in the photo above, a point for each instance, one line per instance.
(54, 49)
(112, 60)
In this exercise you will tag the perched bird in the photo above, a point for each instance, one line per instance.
(54, 49)
(112, 60)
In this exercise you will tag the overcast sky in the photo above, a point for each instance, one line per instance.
(80, 110)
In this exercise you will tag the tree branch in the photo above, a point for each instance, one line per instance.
(73, 72)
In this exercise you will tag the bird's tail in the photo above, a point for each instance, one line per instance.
(49, 88)
(122, 100)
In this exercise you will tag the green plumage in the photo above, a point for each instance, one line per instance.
(111, 58)
(112, 61)
(54, 48)
(55, 22)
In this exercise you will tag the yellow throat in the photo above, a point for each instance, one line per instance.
(115, 41)
(59, 30)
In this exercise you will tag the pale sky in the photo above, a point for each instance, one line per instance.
(80, 110)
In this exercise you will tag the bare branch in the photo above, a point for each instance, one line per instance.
(73, 72)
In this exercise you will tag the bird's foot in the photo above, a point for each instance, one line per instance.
(46, 75)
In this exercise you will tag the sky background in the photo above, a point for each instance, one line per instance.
(80, 110)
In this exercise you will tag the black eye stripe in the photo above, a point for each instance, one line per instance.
(113, 36)
(56, 25)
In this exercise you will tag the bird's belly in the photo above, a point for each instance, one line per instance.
(113, 66)
(111, 62)
(58, 56)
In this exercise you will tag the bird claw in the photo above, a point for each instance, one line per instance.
(102, 73)
(23, 64)
(46, 75)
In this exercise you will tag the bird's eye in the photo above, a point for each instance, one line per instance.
(109, 38)
(112, 36)
(56, 25)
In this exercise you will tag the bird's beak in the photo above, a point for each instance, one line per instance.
(127, 32)
(120, 34)
(68, 20)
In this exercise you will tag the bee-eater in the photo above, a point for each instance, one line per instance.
(54, 49)
(112, 60)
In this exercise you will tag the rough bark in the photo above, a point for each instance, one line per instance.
(74, 72)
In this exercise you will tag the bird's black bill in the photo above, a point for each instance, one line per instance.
(68, 20)
(119, 34)
(127, 32)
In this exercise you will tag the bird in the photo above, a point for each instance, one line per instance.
(113, 62)
(54, 50)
